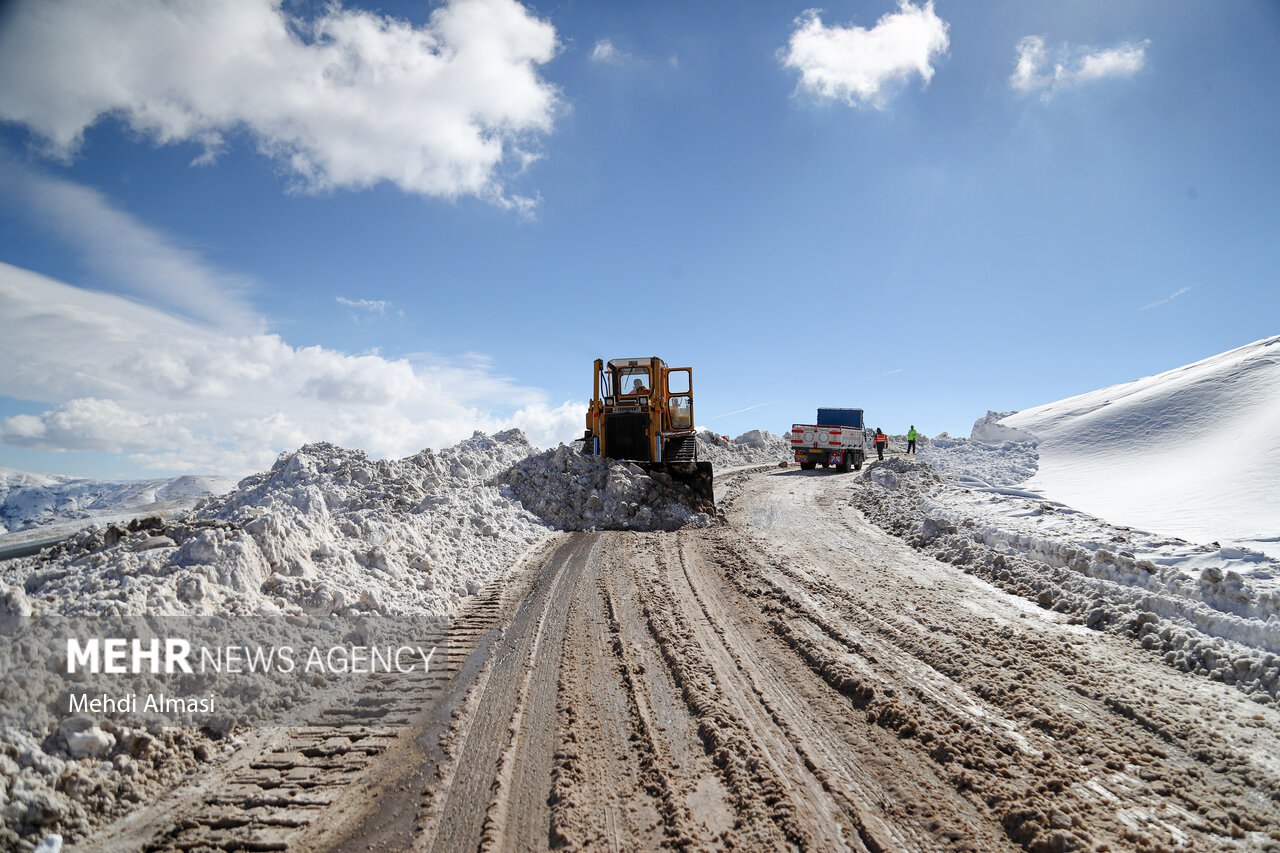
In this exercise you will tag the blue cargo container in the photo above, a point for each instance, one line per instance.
(841, 417)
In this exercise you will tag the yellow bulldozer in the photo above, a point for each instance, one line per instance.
(642, 411)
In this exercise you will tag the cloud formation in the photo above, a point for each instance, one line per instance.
(133, 258)
(120, 377)
(1181, 291)
(864, 67)
(606, 53)
(1071, 66)
(373, 306)
(345, 100)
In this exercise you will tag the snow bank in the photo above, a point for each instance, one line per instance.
(991, 428)
(756, 447)
(981, 465)
(1192, 452)
(409, 535)
(325, 547)
(1209, 610)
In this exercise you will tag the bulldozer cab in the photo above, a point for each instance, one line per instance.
(639, 381)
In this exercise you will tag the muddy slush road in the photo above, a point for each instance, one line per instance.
(793, 679)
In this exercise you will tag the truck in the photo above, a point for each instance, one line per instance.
(837, 439)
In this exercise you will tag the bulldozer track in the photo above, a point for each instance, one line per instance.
(280, 791)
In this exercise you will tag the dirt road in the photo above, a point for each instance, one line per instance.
(796, 678)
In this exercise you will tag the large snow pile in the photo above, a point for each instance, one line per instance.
(755, 447)
(414, 534)
(572, 491)
(328, 545)
(39, 500)
(1214, 611)
(1193, 452)
(992, 429)
(326, 529)
(981, 465)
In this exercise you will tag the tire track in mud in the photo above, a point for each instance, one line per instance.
(766, 814)
(497, 789)
(602, 797)
(882, 798)
(1042, 743)
(609, 763)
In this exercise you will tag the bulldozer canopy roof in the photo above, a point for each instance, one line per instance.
(631, 362)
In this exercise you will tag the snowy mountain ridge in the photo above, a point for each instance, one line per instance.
(29, 501)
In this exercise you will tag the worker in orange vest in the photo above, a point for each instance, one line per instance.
(881, 442)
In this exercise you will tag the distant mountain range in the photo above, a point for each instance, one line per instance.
(54, 502)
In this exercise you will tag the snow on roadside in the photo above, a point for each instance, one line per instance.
(327, 545)
(991, 429)
(571, 491)
(1213, 611)
(979, 464)
(756, 447)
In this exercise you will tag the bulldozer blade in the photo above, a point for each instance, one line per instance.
(696, 476)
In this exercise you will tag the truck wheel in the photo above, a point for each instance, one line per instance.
(843, 466)
(857, 461)
(807, 466)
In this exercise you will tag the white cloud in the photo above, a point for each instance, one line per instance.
(349, 99)
(121, 377)
(134, 258)
(863, 67)
(739, 411)
(606, 53)
(373, 306)
(1071, 66)
(1172, 296)
(89, 423)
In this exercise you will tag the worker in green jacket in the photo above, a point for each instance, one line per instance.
(911, 439)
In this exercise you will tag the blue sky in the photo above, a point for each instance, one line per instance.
(211, 255)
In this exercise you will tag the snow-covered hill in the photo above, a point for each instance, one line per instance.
(1192, 452)
(45, 501)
